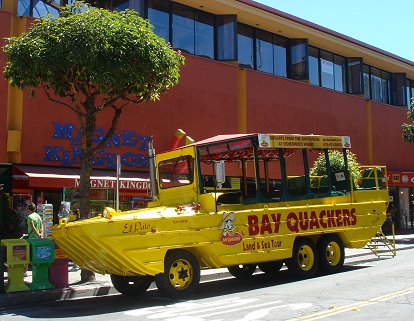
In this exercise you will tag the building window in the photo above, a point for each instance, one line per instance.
(366, 78)
(354, 68)
(159, 16)
(204, 24)
(245, 43)
(410, 92)
(377, 84)
(298, 50)
(339, 73)
(36, 8)
(398, 89)
(386, 86)
(280, 45)
(327, 69)
(226, 38)
(120, 5)
(183, 28)
(264, 51)
(313, 60)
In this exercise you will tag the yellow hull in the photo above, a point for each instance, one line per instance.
(136, 242)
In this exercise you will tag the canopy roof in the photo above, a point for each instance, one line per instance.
(240, 146)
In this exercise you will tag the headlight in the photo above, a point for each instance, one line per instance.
(108, 212)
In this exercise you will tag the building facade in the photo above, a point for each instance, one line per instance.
(249, 68)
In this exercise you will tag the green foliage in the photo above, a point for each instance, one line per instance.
(92, 51)
(336, 162)
(92, 59)
(408, 129)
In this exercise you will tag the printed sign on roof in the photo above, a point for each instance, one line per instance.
(303, 141)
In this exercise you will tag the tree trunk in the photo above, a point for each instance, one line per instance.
(87, 129)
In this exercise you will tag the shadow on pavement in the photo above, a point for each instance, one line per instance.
(93, 306)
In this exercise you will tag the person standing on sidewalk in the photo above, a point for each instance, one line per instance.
(34, 223)
(34, 227)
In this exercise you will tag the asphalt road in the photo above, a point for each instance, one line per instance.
(368, 289)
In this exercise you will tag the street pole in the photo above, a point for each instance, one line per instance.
(118, 173)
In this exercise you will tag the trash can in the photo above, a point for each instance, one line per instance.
(58, 271)
(17, 257)
(42, 255)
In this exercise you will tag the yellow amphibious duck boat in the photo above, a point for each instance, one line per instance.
(235, 201)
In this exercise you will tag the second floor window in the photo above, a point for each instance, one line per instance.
(159, 16)
(327, 69)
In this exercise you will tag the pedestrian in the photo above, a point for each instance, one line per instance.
(34, 223)
(34, 227)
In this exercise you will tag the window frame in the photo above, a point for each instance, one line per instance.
(189, 166)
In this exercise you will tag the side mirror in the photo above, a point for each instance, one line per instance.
(220, 171)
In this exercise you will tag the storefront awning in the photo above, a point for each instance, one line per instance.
(59, 177)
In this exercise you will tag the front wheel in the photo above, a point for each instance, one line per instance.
(331, 254)
(304, 260)
(242, 271)
(131, 285)
(181, 275)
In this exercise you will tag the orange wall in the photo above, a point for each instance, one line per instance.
(4, 32)
(205, 103)
(388, 146)
(198, 105)
(281, 105)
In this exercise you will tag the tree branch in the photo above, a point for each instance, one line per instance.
(117, 114)
(56, 100)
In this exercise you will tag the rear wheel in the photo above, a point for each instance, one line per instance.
(304, 261)
(331, 253)
(242, 271)
(271, 267)
(131, 285)
(181, 275)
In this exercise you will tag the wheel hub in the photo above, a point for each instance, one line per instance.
(180, 274)
(306, 258)
(333, 253)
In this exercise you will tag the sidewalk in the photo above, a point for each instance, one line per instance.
(103, 286)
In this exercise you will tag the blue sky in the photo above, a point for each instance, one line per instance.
(388, 25)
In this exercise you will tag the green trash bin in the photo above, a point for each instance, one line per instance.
(17, 257)
(42, 256)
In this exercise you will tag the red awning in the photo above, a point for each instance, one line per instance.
(59, 177)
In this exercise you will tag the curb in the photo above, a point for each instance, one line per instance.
(85, 290)
(103, 288)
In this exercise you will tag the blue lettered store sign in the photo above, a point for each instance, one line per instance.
(117, 144)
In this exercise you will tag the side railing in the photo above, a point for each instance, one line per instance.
(373, 177)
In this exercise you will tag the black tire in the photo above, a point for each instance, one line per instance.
(271, 267)
(331, 254)
(131, 285)
(181, 275)
(242, 271)
(304, 261)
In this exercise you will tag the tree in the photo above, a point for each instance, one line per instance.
(408, 129)
(337, 163)
(88, 60)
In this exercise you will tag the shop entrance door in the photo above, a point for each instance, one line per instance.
(404, 200)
